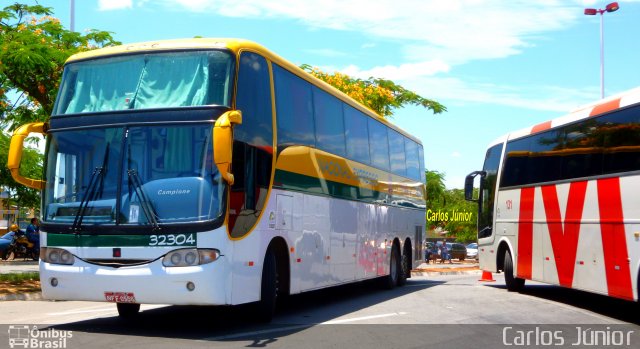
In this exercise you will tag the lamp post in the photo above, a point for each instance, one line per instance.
(72, 15)
(612, 7)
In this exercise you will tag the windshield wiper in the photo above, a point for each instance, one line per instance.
(90, 193)
(147, 208)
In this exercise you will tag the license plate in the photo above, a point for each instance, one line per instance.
(120, 297)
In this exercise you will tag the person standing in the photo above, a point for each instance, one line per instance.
(33, 232)
(444, 251)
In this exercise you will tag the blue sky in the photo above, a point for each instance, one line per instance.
(497, 65)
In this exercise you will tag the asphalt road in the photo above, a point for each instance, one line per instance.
(449, 311)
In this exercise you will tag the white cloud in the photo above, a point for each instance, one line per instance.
(456, 154)
(434, 36)
(108, 5)
(400, 72)
(538, 97)
(453, 31)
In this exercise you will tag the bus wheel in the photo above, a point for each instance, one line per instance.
(269, 289)
(403, 270)
(513, 283)
(390, 281)
(128, 310)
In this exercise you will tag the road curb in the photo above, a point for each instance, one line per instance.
(437, 273)
(29, 296)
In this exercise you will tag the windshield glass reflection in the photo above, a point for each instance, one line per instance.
(132, 176)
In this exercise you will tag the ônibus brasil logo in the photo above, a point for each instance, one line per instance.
(24, 336)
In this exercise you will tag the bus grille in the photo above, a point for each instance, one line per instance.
(117, 263)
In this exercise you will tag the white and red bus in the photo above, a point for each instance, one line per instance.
(558, 202)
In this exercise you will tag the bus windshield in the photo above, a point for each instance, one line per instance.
(132, 175)
(144, 81)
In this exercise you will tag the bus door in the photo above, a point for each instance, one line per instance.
(486, 201)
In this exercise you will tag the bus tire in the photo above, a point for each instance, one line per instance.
(514, 284)
(266, 307)
(128, 310)
(390, 281)
(403, 270)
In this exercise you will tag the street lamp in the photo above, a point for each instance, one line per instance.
(72, 15)
(612, 7)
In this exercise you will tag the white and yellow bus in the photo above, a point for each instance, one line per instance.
(212, 171)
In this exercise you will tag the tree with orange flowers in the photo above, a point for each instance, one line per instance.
(33, 49)
(379, 95)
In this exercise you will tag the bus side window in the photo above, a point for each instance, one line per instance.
(253, 144)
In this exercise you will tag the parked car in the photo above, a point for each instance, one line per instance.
(472, 250)
(458, 251)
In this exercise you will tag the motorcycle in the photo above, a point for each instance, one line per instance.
(21, 247)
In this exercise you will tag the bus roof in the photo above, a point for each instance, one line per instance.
(236, 46)
(606, 105)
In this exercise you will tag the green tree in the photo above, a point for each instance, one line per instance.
(379, 95)
(33, 49)
(463, 216)
(31, 166)
(435, 188)
(436, 199)
(448, 210)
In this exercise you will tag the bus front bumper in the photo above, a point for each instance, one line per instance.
(151, 283)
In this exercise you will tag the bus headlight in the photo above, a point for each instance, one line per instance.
(56, 256)
(189, 257)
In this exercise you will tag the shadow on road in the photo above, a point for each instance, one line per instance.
(608, 306)
(296, 313)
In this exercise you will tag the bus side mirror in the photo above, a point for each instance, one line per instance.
(15, 153)
(468, 185)
(223, 142)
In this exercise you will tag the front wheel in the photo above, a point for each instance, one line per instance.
(269, 289)
(514, 284)
(128, 310)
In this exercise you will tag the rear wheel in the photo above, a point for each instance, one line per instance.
(404, 270)
(266, 307)
(128, 310)
(390, 281)
(514, 284)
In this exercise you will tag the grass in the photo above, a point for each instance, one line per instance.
(19, 277)
(19, 283)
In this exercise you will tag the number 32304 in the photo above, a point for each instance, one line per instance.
(172, 240)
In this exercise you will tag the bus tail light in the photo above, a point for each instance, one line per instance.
(56, 256)
(189, 257)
